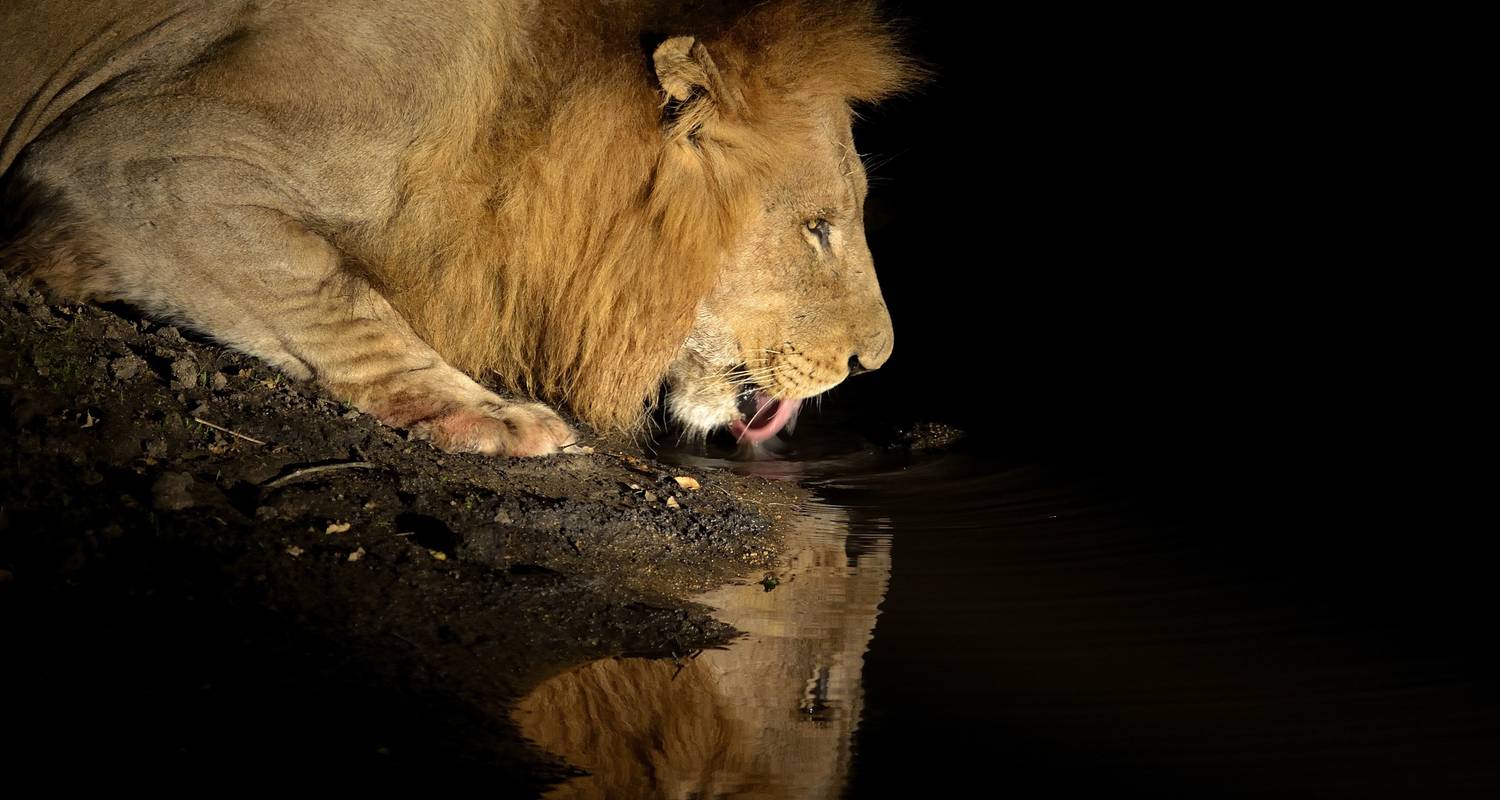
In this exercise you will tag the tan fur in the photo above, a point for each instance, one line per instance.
(367, 195)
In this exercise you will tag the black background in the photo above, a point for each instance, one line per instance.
(1101, 230)
(1149, 248)
(1142, 242)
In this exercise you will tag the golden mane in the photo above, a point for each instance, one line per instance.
(553, 232)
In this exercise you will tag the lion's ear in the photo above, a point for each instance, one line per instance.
(684, 69)
(696, 92)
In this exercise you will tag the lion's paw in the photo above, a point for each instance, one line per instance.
(510, 429)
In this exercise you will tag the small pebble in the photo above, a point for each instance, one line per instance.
(185, 370)
(125, 367)
(173, 491)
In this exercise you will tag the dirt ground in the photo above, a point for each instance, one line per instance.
(206, 567)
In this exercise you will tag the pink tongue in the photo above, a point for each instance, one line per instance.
(767, 421)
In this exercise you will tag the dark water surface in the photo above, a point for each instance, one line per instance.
(947, 620)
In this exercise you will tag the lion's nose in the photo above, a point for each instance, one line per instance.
(857, 365)
(873, 351)
(871, 346)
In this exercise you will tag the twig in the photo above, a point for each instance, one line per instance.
(201, 421)
(305, 471)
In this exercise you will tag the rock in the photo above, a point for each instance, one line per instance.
(174, 491)
(125, 367)
(689, 483)
(927, 436)
(220, 381)
(185, 370)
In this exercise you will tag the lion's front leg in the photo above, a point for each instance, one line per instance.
(442, 404)
(363, 351)
(261, 282)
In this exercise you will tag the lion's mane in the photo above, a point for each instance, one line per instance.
(554, 233)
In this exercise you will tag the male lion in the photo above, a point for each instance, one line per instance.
(583, 200)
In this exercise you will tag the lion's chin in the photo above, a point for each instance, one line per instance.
(762, 416)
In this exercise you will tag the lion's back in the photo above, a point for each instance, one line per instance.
(54, 53)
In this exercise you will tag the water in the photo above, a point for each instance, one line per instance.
(772, 715)
(950, 619)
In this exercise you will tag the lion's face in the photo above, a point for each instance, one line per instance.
(797, 307)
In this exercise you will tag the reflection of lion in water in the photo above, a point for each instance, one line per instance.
(583, 199)
(771, 716)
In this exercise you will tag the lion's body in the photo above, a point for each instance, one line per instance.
(336, 185)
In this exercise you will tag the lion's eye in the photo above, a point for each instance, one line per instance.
(819, 228)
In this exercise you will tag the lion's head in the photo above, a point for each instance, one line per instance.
(796, 307)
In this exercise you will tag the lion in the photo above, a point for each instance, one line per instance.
(590, 204)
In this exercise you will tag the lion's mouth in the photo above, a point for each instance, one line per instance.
(761, 416)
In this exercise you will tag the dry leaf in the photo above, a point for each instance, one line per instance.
(688, 483)
(337, 527)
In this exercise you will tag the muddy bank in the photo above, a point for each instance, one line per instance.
(202, 564)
